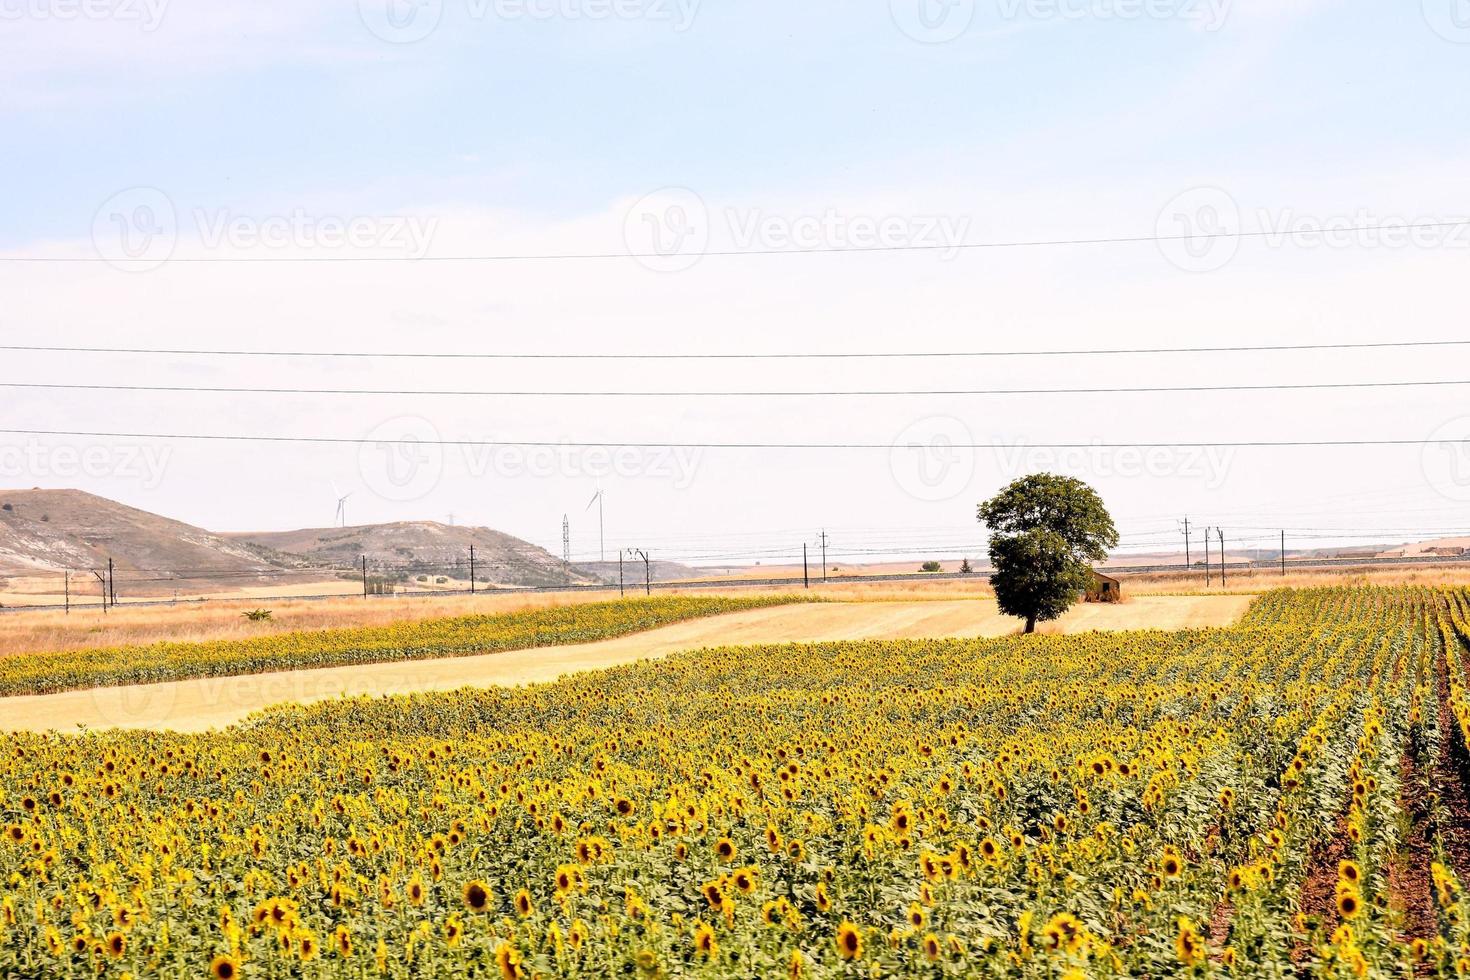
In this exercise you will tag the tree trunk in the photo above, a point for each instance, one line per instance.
(1030, 624)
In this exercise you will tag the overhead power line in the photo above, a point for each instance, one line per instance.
(275, 257)
(1292, 233)
(887, 446)
(768, 393)
(746, 356)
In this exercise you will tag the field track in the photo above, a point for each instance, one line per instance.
(200, 704)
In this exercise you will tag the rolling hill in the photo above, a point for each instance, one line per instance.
(45, 531)
(408, 549)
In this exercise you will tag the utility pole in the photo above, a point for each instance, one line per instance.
(364, 576)
(1220, 533)
(823, 538)
(111, 584)
(66, 584)
(566, 549)
(1186, 544)
(472, 569)
(620, 575)
(806, 579)
(103, 582)
(1283, 552)
(1207, 558)
(647, 570)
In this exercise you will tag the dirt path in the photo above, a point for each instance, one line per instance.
(1448, 779)
(1409, 885)
(200, 704)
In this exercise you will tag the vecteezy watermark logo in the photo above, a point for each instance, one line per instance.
(140, 229)
(938, 21)
(407, 236)
(32, 460)
(933, 459)
(932, 21)
(133, 705)
(402, 459)
(136, 229)
(679, 14)
(1450, 19)
(1446, 459)
(1208, 464)
(401, 21)
(1199, 230)
(1362, 229)
(752, 229)
(668, 230)
(676, 465)
(409, 21)
(147, 14)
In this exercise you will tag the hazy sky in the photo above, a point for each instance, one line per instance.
(143, 136)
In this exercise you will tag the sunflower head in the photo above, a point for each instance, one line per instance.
(704, 941)
(849, 941)
(476, 896)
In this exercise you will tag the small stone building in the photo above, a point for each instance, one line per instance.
(1103, 588)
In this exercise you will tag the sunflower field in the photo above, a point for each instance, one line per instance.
(1283, 798)
(43, 673)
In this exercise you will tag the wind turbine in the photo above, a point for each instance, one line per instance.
(341, 518)
(597, 499)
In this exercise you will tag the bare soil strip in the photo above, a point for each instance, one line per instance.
(1409, 882)
(1319, 887)
(1451, 769)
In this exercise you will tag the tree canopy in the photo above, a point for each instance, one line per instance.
(1045, 533)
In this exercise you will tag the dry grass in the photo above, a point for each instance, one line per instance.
(1262, 580)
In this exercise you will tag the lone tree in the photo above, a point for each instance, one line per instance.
(1045, 533)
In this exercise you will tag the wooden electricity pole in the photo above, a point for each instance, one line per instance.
(1220, 533)
(472, 569)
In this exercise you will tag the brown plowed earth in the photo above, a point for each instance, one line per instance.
(1409, 882)
(1319, 887)
(1451, 769)
(1220, 921)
